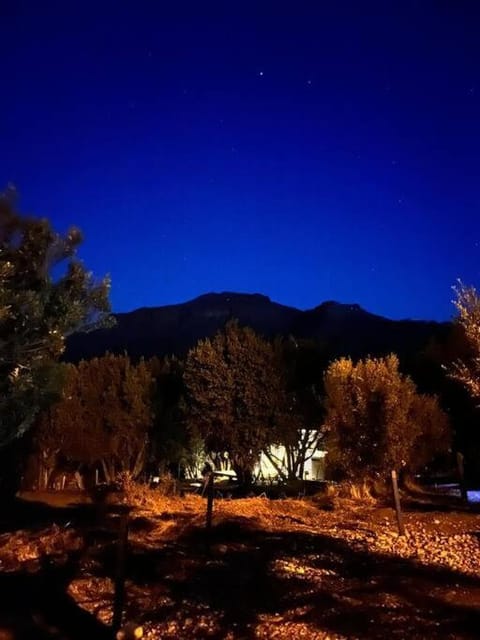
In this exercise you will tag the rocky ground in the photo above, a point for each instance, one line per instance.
(270, 569)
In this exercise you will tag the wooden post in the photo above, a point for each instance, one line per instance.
(209, 501)
(461, 476)
(119, 595)
(396, 500)
(208, 523)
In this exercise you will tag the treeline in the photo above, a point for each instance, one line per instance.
(233, 397)
(236, 396)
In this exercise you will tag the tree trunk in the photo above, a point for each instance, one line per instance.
(108, 471)
(79, 479)
(302, 457)
(139, 463)
(47, 464)
(48, 472)
(43, 476)
(244, 475)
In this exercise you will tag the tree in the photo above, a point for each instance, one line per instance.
(104, 417)
(298, 426)
(57, 425)
(233, 383)
(173, 447)
(170, 439)
(127, 413)
(435, 437)
(45, 295)
(377, 421)
(466, 370)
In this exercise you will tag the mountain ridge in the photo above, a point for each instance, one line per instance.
(342, 328)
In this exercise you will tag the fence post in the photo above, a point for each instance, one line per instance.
(119, 595)
(396, 500)
(208, 522)
(461, 476)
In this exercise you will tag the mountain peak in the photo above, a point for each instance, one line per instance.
(229, 296)
(332, 306)
(341, 329)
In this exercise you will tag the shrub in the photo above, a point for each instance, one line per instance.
(377, 421)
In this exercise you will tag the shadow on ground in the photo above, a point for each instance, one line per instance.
(315, 580)
(249, 575)
(38, 607)
(34, 602)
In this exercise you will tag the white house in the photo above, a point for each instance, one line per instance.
(273, 464)
(267, 468)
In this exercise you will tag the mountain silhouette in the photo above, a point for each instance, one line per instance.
(341, 329)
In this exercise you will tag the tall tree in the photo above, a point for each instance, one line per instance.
(298, 427)
(377, 421)
(467, 368)
(46, 294)
(104, 416)
(233, 384)
(58, 425)
(170, 439)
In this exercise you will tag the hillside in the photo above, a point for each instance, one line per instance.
(341, 329)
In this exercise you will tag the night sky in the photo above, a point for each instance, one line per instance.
(307, 151)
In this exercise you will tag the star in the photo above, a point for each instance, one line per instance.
(260, 73)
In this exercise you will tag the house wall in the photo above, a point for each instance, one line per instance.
(264, 469)
(314, 467)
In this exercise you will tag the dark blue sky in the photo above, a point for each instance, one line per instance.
(307, 151)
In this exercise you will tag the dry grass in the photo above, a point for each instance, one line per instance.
(26, 547)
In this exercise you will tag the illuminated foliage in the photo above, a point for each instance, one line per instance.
(467, 369)
(104, 416)
(435, 437)
(45, 295)
(234, 386)
(377, 421)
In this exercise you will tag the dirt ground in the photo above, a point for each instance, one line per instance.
(270, 569)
